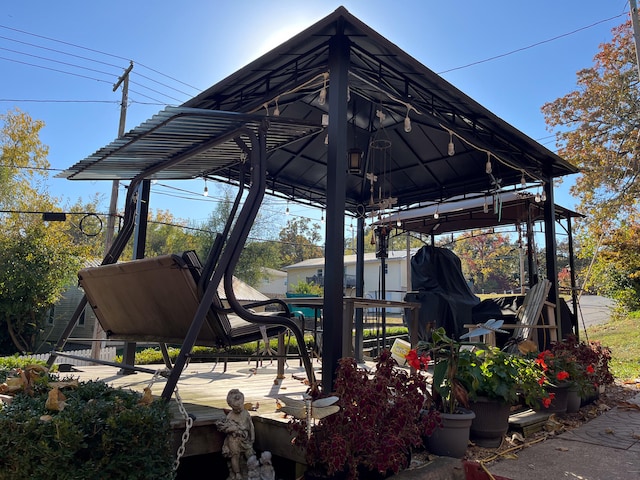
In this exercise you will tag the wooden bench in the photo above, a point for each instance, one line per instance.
(530, 318)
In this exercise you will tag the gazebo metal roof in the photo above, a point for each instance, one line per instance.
(381, 78)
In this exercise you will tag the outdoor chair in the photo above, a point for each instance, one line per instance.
(530, 318)
(155, 299)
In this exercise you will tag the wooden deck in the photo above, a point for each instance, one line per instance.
(203, 390)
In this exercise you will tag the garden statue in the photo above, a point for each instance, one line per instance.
(266, 467)
(253, 468)
(240, 435)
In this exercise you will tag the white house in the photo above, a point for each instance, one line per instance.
(273, 283)
(398, 274)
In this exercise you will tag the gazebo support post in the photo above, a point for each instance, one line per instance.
(336, 200)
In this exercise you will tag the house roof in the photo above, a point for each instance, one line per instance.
(385, 85)
(349, 259)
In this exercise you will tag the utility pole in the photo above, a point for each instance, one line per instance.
(636, 30)
(98, 333)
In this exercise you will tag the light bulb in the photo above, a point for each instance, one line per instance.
(451, 150)
(488, 167)
(322, 98)
(523, 181)
(543, 196)
(485, 207)
(436, 215)
(206, 189)
(537, 198)
(398, 223)
(407, 124)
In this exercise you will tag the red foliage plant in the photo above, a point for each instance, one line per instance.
(379, 422)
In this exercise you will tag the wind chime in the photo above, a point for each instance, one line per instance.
(380, 200)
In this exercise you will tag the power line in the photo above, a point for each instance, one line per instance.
(99, 52)
(537, 44)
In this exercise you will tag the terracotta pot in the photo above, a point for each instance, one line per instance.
(491, 422)
(452, 439)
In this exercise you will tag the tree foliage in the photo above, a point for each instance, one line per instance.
(37, 258)
(490, 261)
(598, 130)
(299, 241)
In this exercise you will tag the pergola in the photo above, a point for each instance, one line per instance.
(357, 127)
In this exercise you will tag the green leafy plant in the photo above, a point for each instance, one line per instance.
(448, 393)
(495, 374)
(99, 432)
(378, 423)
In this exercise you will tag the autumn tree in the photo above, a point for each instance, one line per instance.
(38, 259)
(598, 130)
(489, 260)
(299, 240)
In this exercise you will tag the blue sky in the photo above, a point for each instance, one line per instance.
(510, 56)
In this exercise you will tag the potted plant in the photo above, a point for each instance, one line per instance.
(588, 368)
(376, 427)
(449, 398)
(560, 369)
(495, 381)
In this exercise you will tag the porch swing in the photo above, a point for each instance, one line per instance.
(173, 299)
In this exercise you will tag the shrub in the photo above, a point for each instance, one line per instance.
(101, 432)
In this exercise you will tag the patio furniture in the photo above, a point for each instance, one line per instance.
(233, 139)
(529, 319)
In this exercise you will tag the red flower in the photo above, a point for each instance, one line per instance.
(546, 402)
(562, 375)
(590, 369)
(541, 380)
(417, 361)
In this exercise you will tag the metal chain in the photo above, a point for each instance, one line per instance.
(185, 435)
(188, 423)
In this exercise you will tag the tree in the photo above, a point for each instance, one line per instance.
(599, 130)
(489, 260)
(37, 258)
(258, 252)
(299, 241)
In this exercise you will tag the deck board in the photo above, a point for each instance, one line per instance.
(203, 390)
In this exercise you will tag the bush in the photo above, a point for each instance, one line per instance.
(102, 432)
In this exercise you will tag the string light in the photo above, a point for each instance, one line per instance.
(276, 112)
(451, 149)
(543, 195)
(322, 97)
(485, 207)
(407, 121)
(206, 189)
(436, 215)
(488, 168)
(286, 211)
(322, 216)
(523, 181)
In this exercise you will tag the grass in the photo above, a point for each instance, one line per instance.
(622, 337)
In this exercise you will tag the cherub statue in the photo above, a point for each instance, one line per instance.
(240, 435)
(266, 467)
(253, 468)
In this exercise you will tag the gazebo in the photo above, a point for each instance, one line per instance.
(355, 126)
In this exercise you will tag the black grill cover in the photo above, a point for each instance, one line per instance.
(439, 285)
